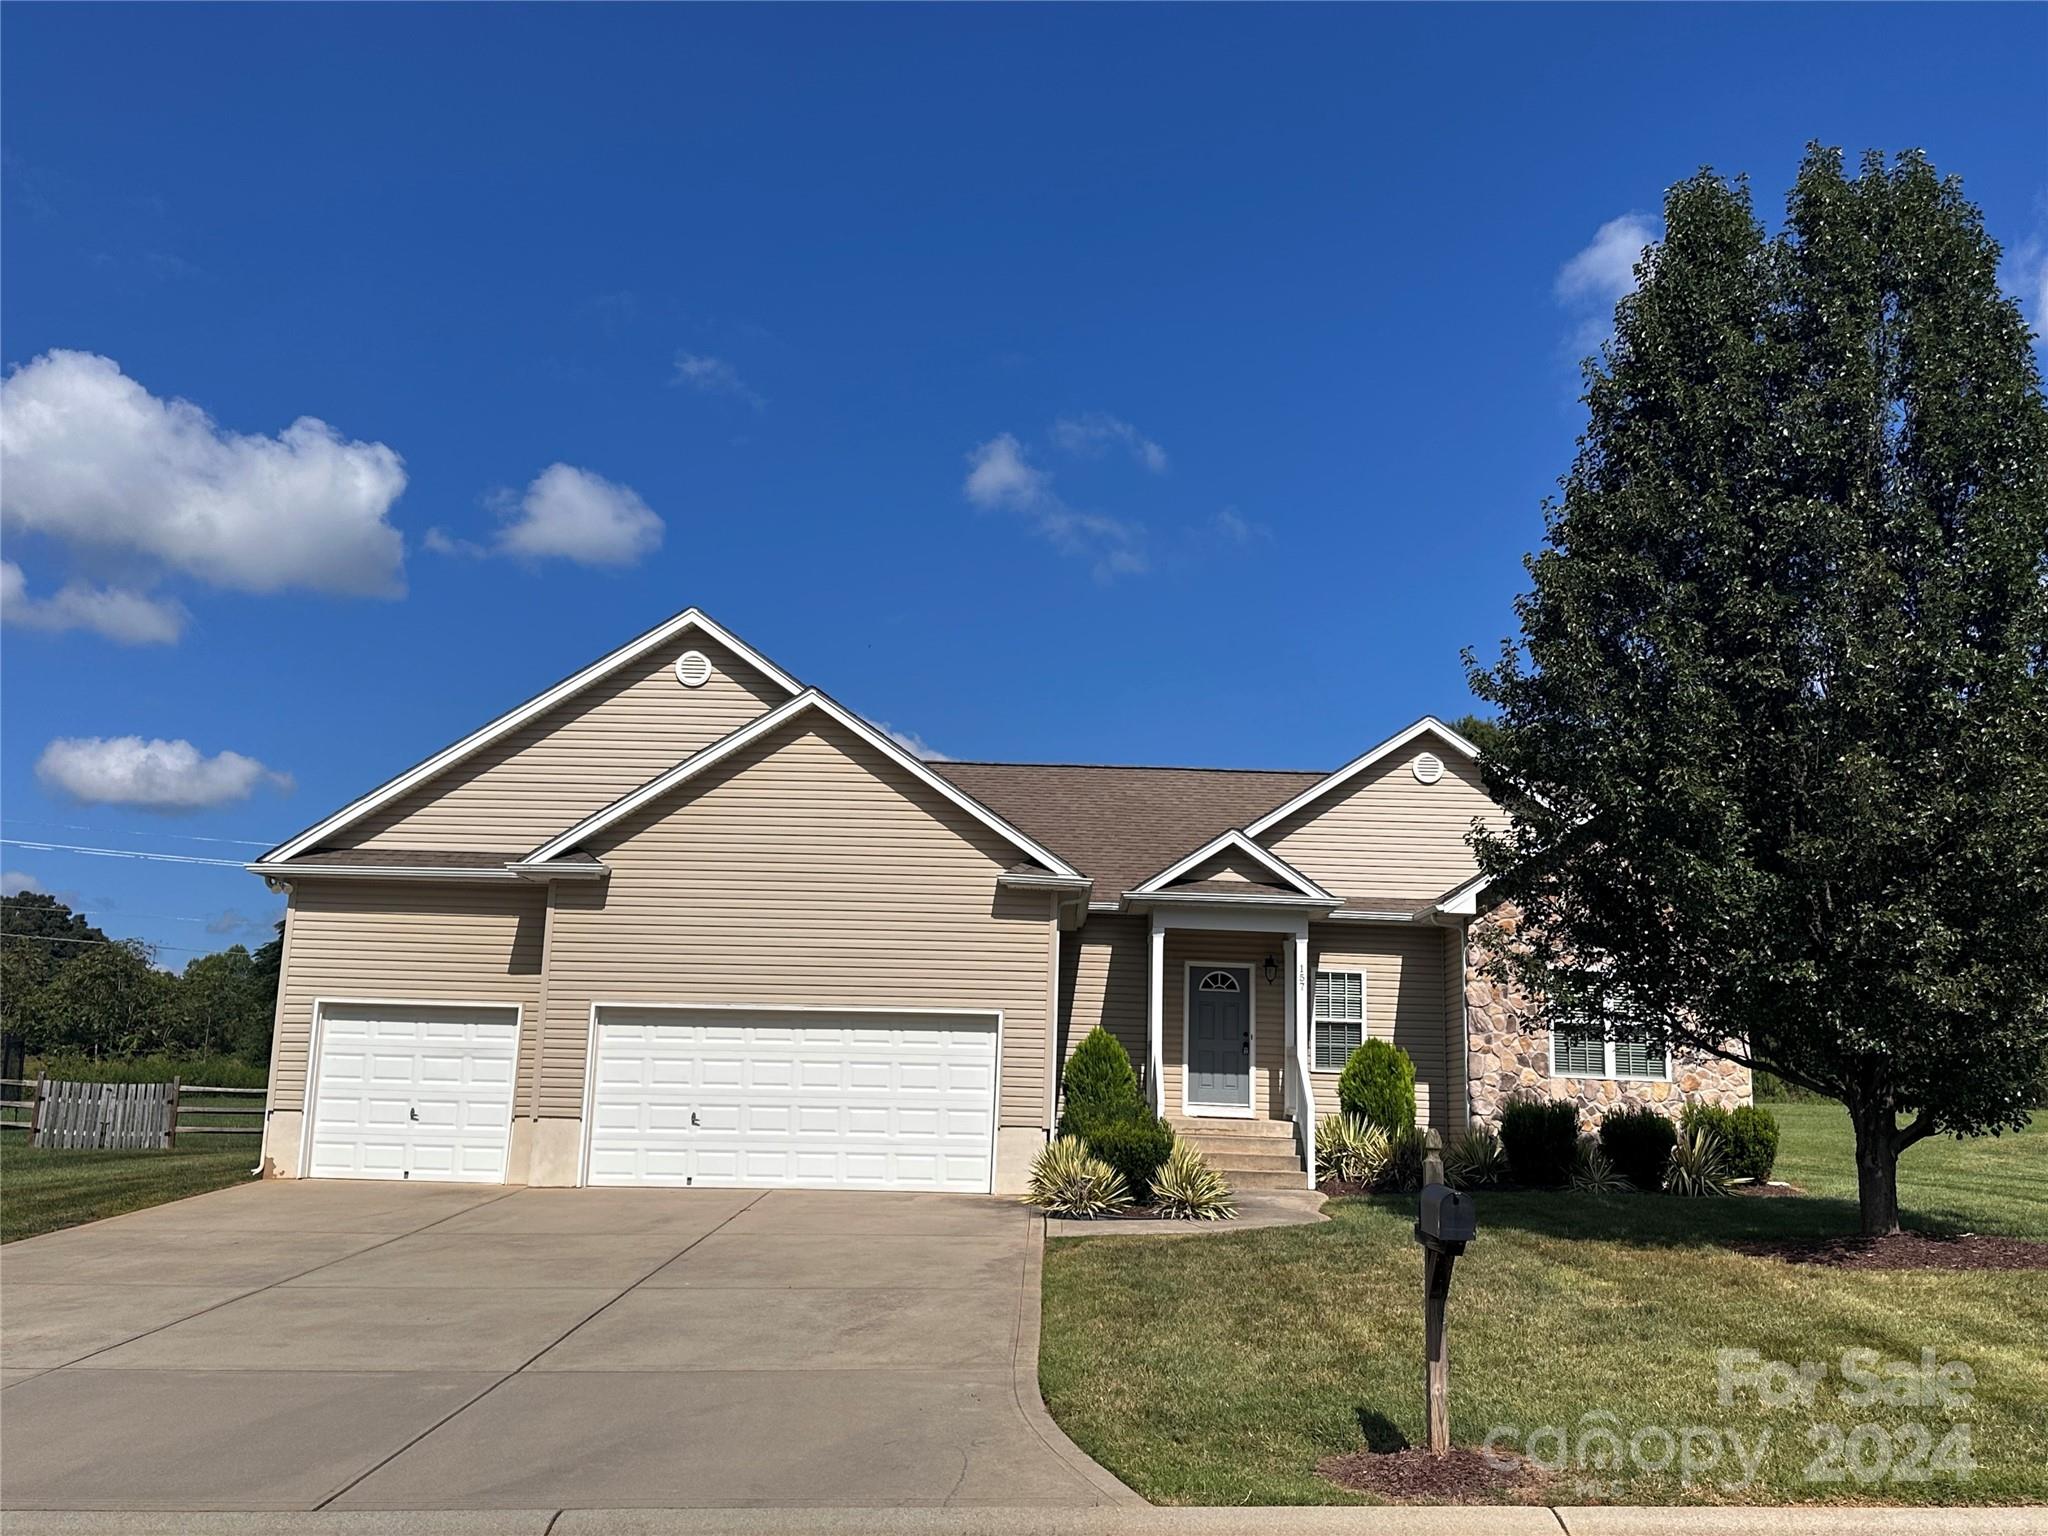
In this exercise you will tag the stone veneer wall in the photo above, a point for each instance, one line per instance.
(1507, 1052)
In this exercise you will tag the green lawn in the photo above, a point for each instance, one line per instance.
(1220, 1369)
(42, 1190)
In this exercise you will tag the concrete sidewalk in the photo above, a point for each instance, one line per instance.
(1388, 1520)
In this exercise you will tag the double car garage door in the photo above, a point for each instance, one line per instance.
(678, 1097)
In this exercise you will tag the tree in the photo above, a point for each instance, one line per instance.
(38, 920)
(109, 1001)
(224, 1003)
(1477, 729)
(1775, 738)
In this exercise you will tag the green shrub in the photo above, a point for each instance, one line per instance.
(1767, 1087)
(1136, 1145)
(1696, 1167)
(1592, 1173)
(207, 1071)
(1474, 1159)
(1099, 1083)
(1378, 1086)
(1748, 1137)
(1067, 1181)
(1638, 1142)
(1405, 1155)
(1188, 1189)
(1350, 1150)
(1541, 1139)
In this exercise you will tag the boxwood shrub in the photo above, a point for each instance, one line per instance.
(1378, 1086)
(1638, 1141)
(1136, 1145)
(1748, 1136)
(1541, 1139)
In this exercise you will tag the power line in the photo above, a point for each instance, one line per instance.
(122, 853)
(48, 938)
(190, 837)
(116, 912)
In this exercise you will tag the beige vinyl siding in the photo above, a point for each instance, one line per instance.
(576, 758)
(407, 941)
(1457, 1089)
(1230, 865)
(1185, 946)
(808, 869)
(1103, 981)
(1405, 974)
(1386, 834)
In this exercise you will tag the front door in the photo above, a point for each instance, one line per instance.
(1219, 1040)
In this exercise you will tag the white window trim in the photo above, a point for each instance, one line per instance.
(1607, 1060)
(1317, 1020)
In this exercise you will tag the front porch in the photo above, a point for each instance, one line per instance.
(1227, 1058)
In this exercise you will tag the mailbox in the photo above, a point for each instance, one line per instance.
(1444, 1219)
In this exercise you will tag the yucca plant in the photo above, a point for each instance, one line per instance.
(1475, 1159)
(1069, 1180)
(1188, 1189)
(1593, 1173)
(1350, 1149)
(1697, 1166)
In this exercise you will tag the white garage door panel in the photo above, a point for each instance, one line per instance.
(782, 1099)
(403, 1091)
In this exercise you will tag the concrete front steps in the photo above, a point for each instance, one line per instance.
(1251, 1154)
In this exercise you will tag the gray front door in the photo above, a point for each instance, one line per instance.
(1220, 1038)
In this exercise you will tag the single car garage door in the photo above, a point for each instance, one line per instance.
(407, 1091)
(812, 1100)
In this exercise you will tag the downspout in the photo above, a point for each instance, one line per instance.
(284, 962)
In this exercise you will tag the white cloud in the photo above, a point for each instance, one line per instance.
(1235, 527)
(1092, 435)
(156, 775)
(571, 514)
(14, 881)
(2027, 274)
(913, 743)
(714, 376)
(91, 458)
(1000, 476)
(1605, 270)
(129, 618)
(233, 921)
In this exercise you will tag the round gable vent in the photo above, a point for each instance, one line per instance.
(1428, 768)
(693, 669)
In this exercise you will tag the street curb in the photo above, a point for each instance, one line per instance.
(1024, 1379)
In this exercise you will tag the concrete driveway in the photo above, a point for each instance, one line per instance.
(300, 1345)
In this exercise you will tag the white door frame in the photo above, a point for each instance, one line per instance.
(995, 1119)
(308, 1105)
(1190, 1107)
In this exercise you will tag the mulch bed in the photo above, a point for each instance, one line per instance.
(1414, 1476)
(1765, 1191)
(1905, 1250)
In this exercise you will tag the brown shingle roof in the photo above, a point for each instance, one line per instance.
(405, 858)
(1121, 826)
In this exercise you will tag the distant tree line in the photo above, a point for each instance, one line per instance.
(67, 989)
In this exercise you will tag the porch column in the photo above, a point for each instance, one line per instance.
(1155, 1018)
(1299, 1020)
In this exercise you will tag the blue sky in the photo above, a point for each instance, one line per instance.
(1142, 384)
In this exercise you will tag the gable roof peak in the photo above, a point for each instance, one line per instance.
(691, 618)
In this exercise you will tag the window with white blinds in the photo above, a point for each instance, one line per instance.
(1585, 1048)
(1339, 1018)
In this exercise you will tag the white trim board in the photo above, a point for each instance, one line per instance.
(1233, 841)
(762, 725)
(1427, 725)
(689, 618)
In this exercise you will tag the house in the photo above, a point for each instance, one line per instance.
(681, 919)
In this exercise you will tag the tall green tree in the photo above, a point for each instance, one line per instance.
(1775, 736)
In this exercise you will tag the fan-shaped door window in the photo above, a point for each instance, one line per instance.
(1217, 981)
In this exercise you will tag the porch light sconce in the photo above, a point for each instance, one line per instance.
(1271, 969)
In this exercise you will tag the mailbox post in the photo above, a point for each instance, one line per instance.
(1444, 1224)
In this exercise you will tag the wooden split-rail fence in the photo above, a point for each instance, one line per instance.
(112, 1117)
